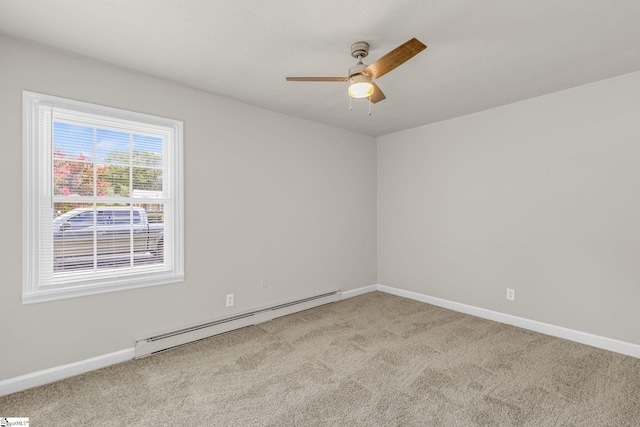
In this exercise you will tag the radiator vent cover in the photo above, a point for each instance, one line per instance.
(148, 346)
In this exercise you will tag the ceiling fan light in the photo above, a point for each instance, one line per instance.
(360, 86)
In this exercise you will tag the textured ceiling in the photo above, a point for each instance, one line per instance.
(481, 54)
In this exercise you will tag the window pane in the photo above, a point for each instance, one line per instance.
(72, 160)
(112, 156)
(148, 180)
(114, 180)
(73, 141)
(112, 147)
(72, 178)
(147, 151)
(147, 166)
(73, 236)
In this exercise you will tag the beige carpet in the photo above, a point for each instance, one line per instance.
(371, 360)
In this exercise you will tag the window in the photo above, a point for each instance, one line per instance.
(103, 201)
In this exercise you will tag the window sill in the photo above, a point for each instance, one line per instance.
(95, 289)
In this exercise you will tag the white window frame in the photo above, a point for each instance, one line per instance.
(37, 195)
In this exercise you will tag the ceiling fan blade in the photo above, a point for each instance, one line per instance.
(395, 58)
(377, 94)
(317, 79)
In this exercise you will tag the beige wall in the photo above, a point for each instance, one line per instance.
(265, 195)
(541, 196)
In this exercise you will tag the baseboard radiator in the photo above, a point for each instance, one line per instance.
(148, 346)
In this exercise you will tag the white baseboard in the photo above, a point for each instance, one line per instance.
(598, 341)
(360, 291)
(34, 379)
(38, 378)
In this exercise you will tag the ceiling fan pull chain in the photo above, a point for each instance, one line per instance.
(370, 105)
(350, 106)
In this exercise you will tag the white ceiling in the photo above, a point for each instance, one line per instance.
(481, 54)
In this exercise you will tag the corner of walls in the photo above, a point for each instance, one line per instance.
(592, 340)
(539, 196)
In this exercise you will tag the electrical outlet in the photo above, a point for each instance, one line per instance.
(264, 282)
(511, 294)
(230, 298)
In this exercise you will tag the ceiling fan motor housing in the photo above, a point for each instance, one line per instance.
(360, 50)
(357, 69)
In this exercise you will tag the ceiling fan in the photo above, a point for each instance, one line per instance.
(361, 84)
